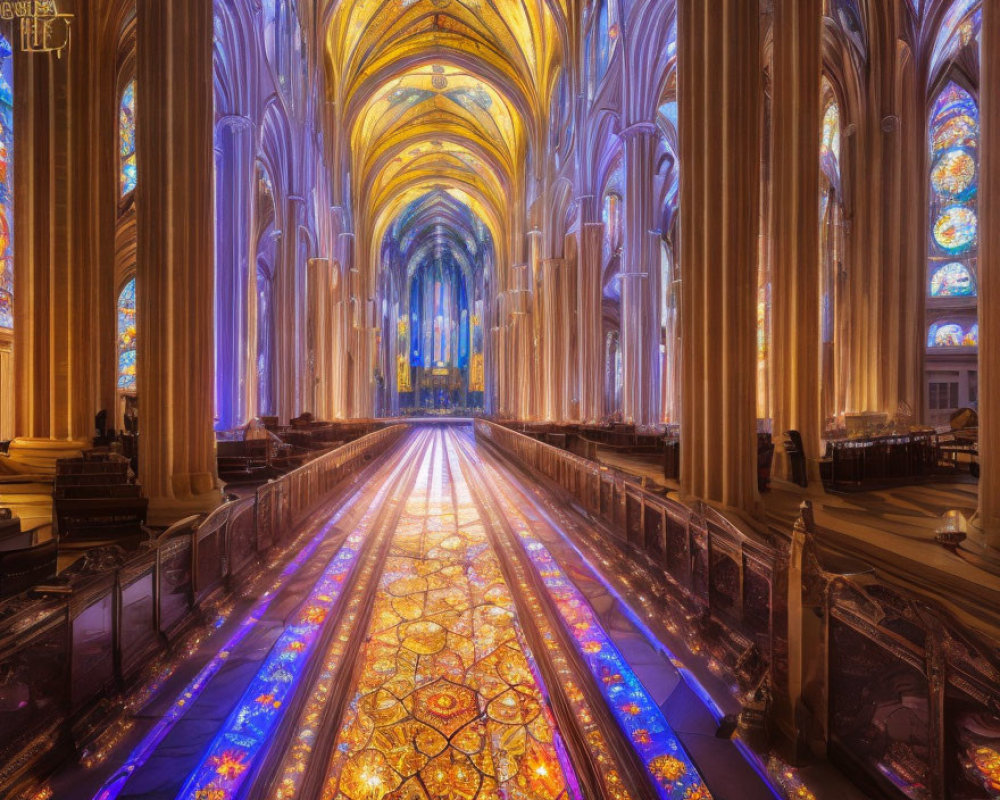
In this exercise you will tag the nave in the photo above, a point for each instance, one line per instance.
(437, 634)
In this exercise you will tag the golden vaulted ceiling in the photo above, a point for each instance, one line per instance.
(441, 98)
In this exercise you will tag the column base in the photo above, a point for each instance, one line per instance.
(27, 456)
(165, 511)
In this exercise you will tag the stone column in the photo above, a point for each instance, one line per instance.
(318, 281)
(342, 325)
(235, 282)
(58, 206)
(640, 281)
(552, 325)
(989, 280)
(521, 364)
(795, 285)
(589, 312)
(567, 343)
(175, 276)
(719, 92)
(533, 276)
(290, 313)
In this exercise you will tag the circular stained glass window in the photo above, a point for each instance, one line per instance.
(958, 131)
(955, 229)
(954, 174)
(952, 280)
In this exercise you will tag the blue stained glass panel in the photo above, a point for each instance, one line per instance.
(126, 337)
(956, 229)
(953, 280)
(6, 186)
(126, 139)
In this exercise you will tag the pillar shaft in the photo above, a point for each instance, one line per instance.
(521, 370)
(589, 312)
(63, 197)
(342, 325)
(795, 287)
(175, 279)
(318, 280)
(719, 92)
(290, 313)
(640, 281)
(552, 324)
(989, 280)
(235, 282)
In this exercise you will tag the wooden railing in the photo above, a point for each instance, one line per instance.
(900, 693)
(64, 651)
(283, 503)
(731, 573)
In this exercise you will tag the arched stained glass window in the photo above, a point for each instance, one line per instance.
(607, 34)
(126, 139)
(953, 334)
(953, 140)
(830, 145)
(953, 280)
(126, 337)
(611, 215)
(6, 185)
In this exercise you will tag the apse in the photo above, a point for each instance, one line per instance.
(435, 257)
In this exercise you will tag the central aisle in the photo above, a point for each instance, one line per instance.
(446, 640)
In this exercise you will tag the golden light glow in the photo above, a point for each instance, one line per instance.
(440, 95)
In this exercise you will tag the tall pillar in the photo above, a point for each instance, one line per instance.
(989, 279)
(318, 281)
(533, 275)
(567, 345)
(552, 324)
(342, 325)
(57, 215)
(175, 280)
(521, 370)
(795, 285)
(589, 313)
(235, 282)
(640, 280)
(719, 92)
(290, 313)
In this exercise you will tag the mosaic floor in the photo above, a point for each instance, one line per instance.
(436, 636)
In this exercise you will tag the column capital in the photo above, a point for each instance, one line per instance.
(639, 128)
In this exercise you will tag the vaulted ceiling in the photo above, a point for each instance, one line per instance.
(439, 103)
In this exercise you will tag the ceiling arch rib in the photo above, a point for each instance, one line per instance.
(439, 102)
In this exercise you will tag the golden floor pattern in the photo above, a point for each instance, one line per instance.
(448, 705)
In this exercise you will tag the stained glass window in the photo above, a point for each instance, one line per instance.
(953, 280)
(6, 185)
(953, 334)
(126, 337)
(830, 145)
(953, 141)
(603, 40)
(126, 137)
(611, 215)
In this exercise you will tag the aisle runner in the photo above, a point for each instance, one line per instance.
(447, 703)
(637, 714)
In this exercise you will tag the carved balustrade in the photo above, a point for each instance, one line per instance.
(67, 650)
(900, 692)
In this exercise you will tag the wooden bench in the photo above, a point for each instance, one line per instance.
(26, 567)
(95, 502)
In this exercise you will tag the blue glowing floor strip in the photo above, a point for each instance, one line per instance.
(635, 711)
(230, 757)
(141, 753)
(232, 752)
